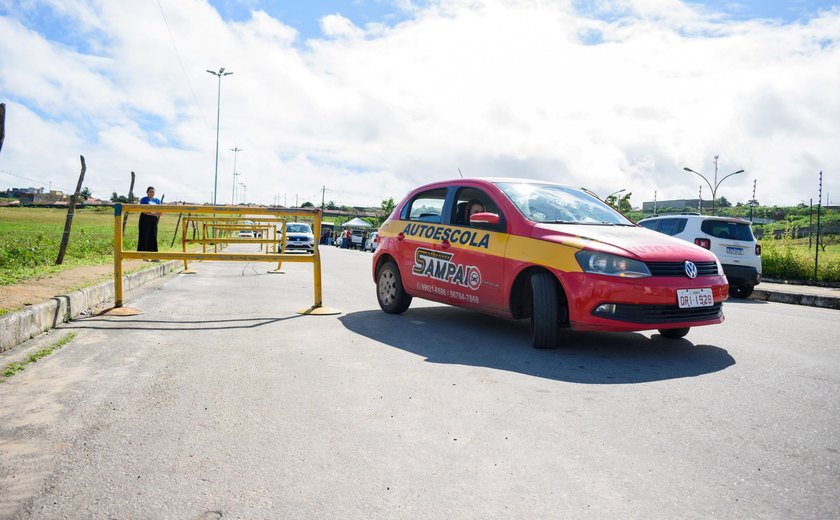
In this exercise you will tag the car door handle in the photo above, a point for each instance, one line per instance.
(445, 244)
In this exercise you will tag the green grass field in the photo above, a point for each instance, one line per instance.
(30, 239)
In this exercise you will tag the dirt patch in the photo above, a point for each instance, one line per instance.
(14, 297)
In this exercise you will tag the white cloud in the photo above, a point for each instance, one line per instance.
(492, 87)
(337, 26)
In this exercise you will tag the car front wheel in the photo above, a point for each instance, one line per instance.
(545, 315)
(390, 291)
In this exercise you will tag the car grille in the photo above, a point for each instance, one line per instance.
(678, 268)
(661, 313)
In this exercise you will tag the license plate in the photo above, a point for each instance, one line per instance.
(734, 250)
(689, 298)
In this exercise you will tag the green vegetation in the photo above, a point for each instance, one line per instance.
(13, 368)
(30, 238)
(792, 259)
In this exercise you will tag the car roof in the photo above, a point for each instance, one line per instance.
(701, 217)
(493, 180)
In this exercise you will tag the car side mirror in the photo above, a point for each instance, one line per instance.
(484, 218)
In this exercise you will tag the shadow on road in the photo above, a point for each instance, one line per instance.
(127, 323)
(457, 336)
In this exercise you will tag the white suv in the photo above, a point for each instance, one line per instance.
(730, 239)
(299, 236)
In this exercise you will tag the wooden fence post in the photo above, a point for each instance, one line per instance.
(130, 201)
(71, 210)
(2, 124)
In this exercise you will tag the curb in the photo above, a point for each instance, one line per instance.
(19, 326)
(826, 302)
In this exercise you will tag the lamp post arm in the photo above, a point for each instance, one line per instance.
(728, 176)
(711, 188)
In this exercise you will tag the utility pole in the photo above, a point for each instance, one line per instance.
(654, 203)
(323, 190)
(752, 201)
(810, 220)
(235, 150)
(296, 201)
(817, 240)
(700, 200)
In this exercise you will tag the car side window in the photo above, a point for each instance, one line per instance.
(426, 206)
(649, 224)
(672, 226)
(476, 199)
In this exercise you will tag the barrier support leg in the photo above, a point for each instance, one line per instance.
(118, 309)
(318, 309)
(187, 269)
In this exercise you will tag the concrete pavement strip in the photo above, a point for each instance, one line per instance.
(813, 296)
(19, 326)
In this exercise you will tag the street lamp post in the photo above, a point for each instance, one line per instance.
(219, 74)
(717, 183)
(235, 150)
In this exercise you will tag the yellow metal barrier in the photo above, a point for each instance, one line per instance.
(276, 214)
(224, 226)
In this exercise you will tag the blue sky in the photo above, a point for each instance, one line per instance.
(305, 16)
(322, 96)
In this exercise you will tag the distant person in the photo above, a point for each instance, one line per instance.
(147, 241)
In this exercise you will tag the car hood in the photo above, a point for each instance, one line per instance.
(630, 241)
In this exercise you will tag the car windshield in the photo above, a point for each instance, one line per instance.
(551, 203)
(298, 228)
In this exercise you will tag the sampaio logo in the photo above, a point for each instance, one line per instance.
(439, 265)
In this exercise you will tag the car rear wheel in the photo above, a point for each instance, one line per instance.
(674, 333)
(545, 322)
(390, 291)
(740, 291)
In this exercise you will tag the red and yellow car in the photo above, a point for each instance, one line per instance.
(551, 253)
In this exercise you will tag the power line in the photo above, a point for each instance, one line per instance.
(183, 70)
(36, 181)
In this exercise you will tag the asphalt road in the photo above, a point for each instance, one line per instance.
(221, 402)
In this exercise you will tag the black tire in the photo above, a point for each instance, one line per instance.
(674, 333)
(390, 292)
(740, 291)
(545, 314)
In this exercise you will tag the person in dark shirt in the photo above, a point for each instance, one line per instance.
(147, 240)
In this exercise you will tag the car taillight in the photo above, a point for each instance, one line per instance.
(703, 242)
(758, 250)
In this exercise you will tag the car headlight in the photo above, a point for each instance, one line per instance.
(611, 265)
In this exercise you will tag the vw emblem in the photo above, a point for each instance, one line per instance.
(690, 269)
